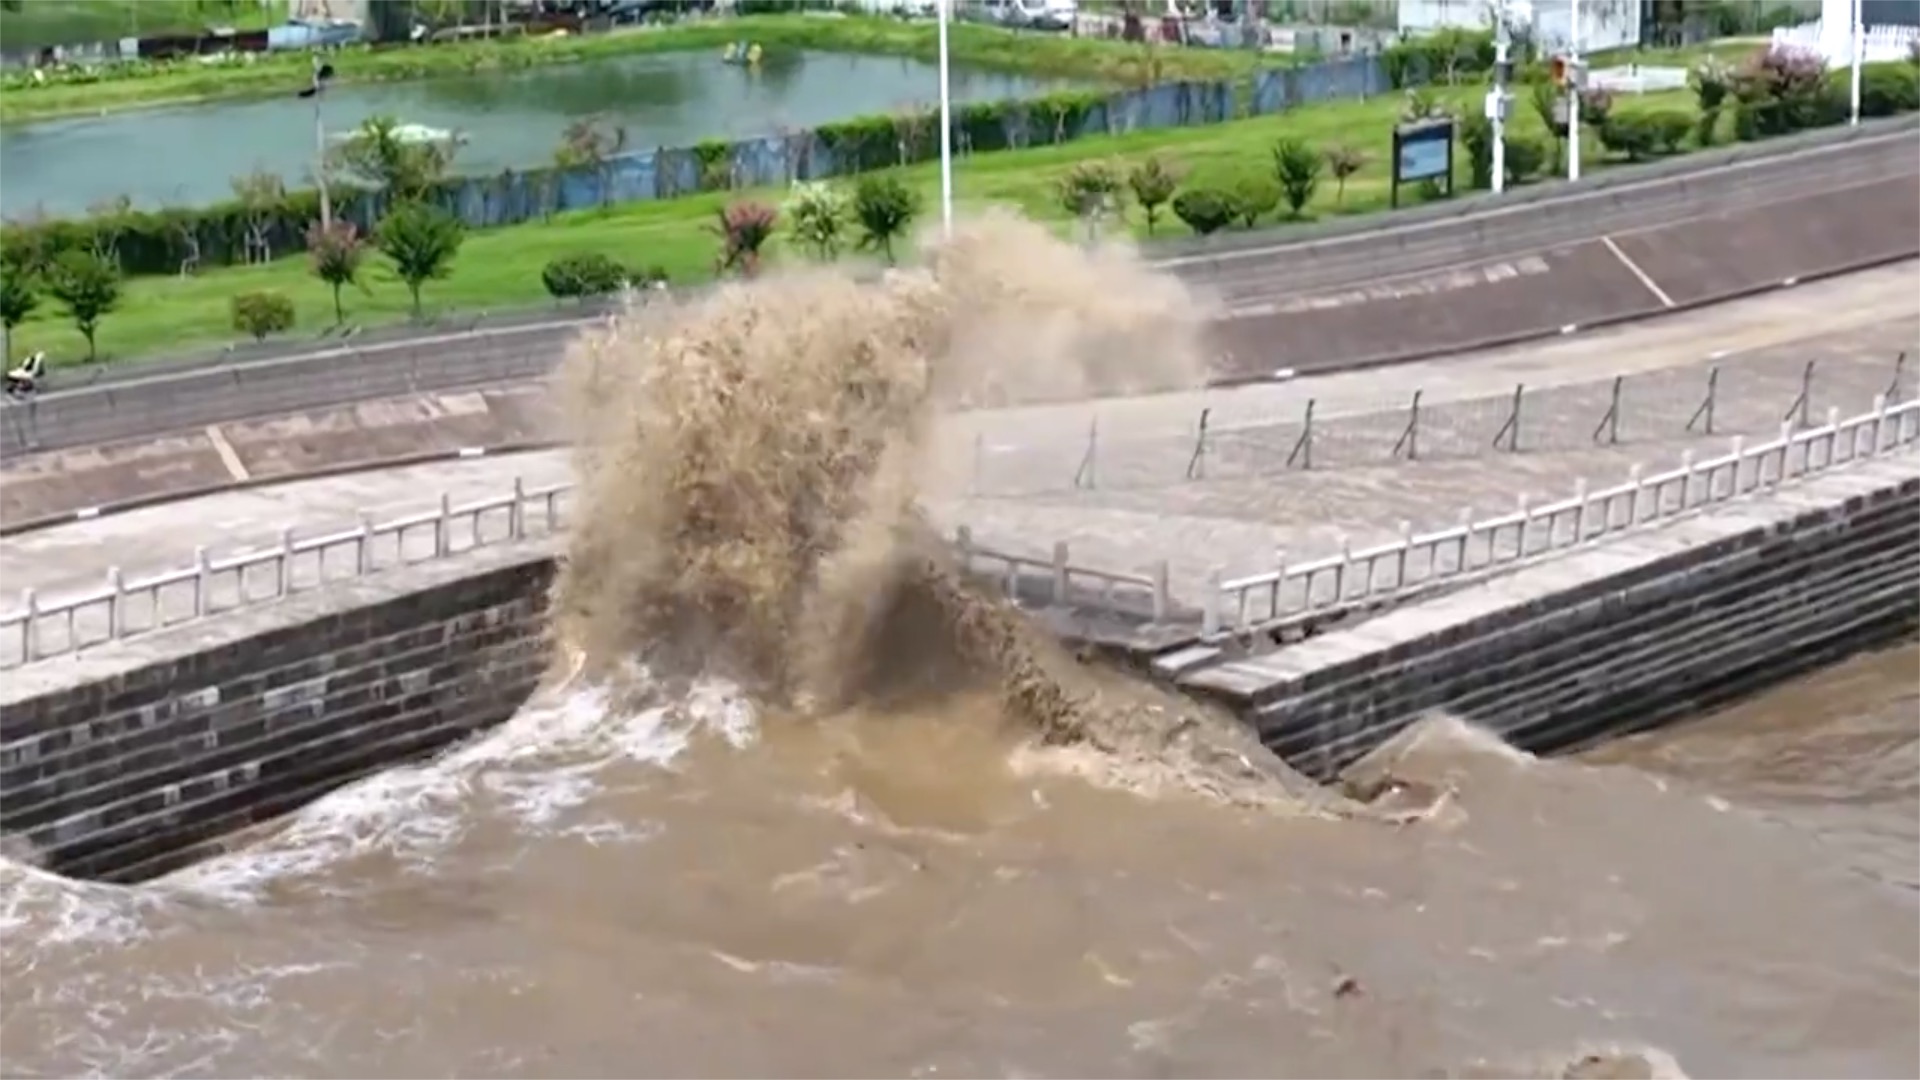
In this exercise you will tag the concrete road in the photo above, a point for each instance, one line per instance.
(1142, 508)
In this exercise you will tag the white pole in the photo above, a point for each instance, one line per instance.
(1496, 99)
(946, 131)
(1573, 98)
(1859, 48)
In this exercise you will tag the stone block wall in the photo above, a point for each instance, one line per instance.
(123, 764)
(1618, 638)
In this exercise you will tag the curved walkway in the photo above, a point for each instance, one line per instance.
(1236, 521)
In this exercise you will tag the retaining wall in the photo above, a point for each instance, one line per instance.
(129, 761)
(1612, 639)
(1275, 265)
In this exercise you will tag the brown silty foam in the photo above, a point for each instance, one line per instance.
(749, 464)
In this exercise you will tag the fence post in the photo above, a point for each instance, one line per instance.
(30, 629)
(1279, 578)
(1083, 477)
(1340, 572)
(1406, 548)
(1524, 507)
(1610, 421)
(963, 548)
(1686, 478)
(1803, 403)
(1410, 438)
(283, 567)
(1466, 537)
(1303, 446)
(363, 547)
(1879, 421)
(1786, 451)
(1580, 491)
(1060, 571)
(1738, 450)
(202, 582)
(116, 600)
(517, 515)
(1210, 614)
(1510, 431)
(1705, 411)
(1634, 476)
(1197, 464)
(441, 526)
(1161, 601)
(1833, 435)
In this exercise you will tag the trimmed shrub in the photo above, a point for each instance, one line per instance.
(573, 277)
(1204, 210)
(258, 314)
(1887, 88)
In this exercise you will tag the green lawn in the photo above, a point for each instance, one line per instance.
(36, 24)
(976, 46)
(501, 268)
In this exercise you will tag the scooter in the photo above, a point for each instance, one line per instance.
(24, 381)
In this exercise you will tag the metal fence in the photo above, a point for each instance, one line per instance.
(125, 607)
(1666, 406)
(1269, 602)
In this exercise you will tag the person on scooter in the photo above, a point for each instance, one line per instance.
(22, 381)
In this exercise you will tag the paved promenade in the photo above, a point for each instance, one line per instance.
(1140, 508)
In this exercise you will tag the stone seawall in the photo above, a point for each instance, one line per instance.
(128, 762)
(1624, 636)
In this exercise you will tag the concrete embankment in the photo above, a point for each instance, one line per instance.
(1608, 639)
(135, 757)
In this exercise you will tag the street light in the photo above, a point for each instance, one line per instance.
(946, 130)
(322, 75)
(1496, 104)
(1576, 88)
(1859, 41)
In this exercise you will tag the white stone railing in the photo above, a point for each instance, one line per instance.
(1268, 602)
(126, 606)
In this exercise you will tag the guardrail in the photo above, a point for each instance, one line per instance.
(129, 607)
(1269, 602)
(1298, 260)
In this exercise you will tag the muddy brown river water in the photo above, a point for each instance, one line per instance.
(699, 893)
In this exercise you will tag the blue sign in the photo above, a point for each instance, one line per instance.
(1424, 155)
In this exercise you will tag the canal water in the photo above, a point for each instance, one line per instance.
(189, 156)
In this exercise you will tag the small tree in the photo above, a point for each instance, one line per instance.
(1204, 210)
(337, 253)
(884, 206)
(1548, 107)
(1091, 191)
(1255, 198)
(1343, 161)
(744, 228)
(817, 217)
(1297, 168)
(420, 241)
(262, 313)
(110, 218)
(89, 288)
(262, 196)
(17, 301)
(407, 169)
(1153, 182)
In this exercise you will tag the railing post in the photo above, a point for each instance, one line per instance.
(1161, 600)
(283, 566)
(30, 629)
(1406, 549)
(1686, 478)
(1879, 421)
(963, 548)
(1786, 452)
(116, 600)
(1060, 571)
(1340, 572)
(1634, 476)
(1833, 435)
(1210, 615)
(1279, 578)
(1524, 507)
(1466, 538)
(202, 582)
(363, 546)
(517, 516)
(1580, 491)
(441, 526)
(1738, 450)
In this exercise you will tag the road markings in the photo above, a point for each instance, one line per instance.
(1658, 293)
(227, 457)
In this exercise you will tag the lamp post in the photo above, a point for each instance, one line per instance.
(1497, 96)
(322, 75)
(1575, 88)
(1858, 39)
(946, 130)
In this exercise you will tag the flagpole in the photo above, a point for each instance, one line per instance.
(946, 130)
